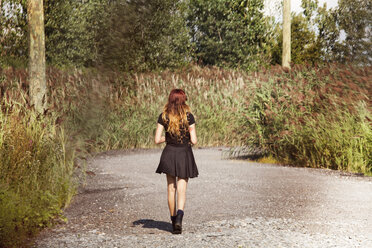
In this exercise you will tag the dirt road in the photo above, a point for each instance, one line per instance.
(233, 203)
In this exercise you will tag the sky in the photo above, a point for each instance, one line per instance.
(271, 6)
(296, 4)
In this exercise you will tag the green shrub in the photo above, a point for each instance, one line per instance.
(36, 169)
(316, 117)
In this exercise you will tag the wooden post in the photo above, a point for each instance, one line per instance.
(286, 56)
(37, 77)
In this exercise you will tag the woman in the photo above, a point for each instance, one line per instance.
(177, 160)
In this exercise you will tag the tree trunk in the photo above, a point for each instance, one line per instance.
(286, 56)
(37, 77)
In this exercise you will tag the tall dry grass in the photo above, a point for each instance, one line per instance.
(36, 171)
(308, 116)
(318, 117)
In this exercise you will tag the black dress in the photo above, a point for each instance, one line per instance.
(177, 158)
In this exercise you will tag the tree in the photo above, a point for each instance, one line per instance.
(71, 29)
(144, 35)
(230, 33)
(305, 47)
(305, 43)
(328, 36)
(35, 13)
(13, 33)
(314, 35)
(286, 57)
(355, 19)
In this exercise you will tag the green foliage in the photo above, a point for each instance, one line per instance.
(313, 117)
(309, 6)
(70, 32)
(130, 35)
(304, 44)
(71, 28)
(328, 34)
(230, 33)
(35, 167)
(316, 34)
(13, 34)
(144, 35)
(355, 19)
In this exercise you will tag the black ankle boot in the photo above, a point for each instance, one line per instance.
(173, 218)
(178, 222)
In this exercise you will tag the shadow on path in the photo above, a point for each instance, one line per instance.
(152, 224)
(102, 190)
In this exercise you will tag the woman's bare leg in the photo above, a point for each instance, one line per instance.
(181, 192)
(172, 186)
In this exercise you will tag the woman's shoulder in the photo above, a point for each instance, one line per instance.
(161, 120)
(190, 118)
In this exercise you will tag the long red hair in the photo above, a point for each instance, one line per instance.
(176, 111)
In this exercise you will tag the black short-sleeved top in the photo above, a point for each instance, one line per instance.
(185, 134)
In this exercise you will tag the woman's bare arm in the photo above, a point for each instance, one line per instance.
(158, 135)
(192, 131)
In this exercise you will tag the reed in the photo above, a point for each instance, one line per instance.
(308, 116)
(36, 172)
(317, 117)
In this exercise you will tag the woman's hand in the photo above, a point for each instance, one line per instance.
(158, 135)
(192, 131)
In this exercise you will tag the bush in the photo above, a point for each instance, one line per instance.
(36, 172)
(313, 117)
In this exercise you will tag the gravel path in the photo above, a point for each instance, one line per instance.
(233, 203)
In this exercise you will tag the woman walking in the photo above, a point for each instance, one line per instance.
(177, 160)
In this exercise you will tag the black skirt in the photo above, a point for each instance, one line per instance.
(178, 161)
